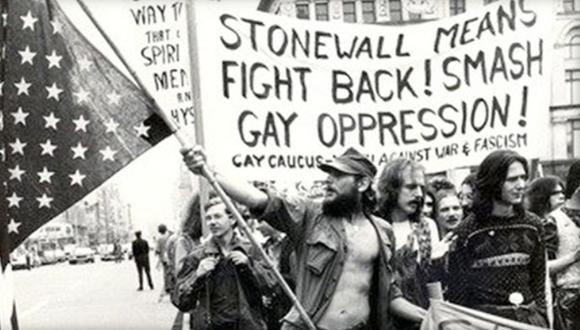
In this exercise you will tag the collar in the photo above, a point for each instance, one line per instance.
(212, 246)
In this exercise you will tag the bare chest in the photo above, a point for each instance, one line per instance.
(362, 241)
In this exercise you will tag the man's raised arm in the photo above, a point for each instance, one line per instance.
(239, 190)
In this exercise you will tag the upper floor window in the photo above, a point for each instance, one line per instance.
(368, 11)
(302, 10)
(349, 11)
(574, 47)
(568, 6)
(456, 6)
(572, 80)
(396, 10)
(321, 11)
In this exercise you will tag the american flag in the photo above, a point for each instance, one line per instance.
(70, 121)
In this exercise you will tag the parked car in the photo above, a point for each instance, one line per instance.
(82, 255)
(21, 258)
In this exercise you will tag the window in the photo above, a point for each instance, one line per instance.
(456, 7)
(414, 17)
(568, 6)
(396, 11)
(574, 51)
(576, 139)
(321, 9)
(349, 11)
(368, 11)
(572, 79)
(302, 10)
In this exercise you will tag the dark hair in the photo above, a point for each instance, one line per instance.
(573, 179)
(439, 183)
(368, 198)
(469, 180)
(389, 184)
(162, 229)
(539, 192)
(490, 178)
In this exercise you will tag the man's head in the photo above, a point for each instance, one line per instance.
(466, 193)
(501, 179)
(573, 181)
(448, 210)
(348, 187)
(162, 229)
(138, 234)
(219, 220)
(401, 185)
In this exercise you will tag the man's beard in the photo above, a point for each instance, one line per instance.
(416, 216)
(342, 205)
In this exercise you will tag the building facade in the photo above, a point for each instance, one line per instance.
(565, 86)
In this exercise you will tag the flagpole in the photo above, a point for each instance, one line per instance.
(184, 143)
(192, 26)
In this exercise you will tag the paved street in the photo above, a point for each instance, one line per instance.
(90, 296)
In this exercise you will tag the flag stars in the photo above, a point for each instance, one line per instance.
(45, 175)
(18, 147)
(16, 173)
(56, 27)
(20, 116)
(81, 124)
(111, 126)
(82, 96)
(79, 151)
(22, 86)
(77, 178)
(142, 130)
(114, 98)
(13, 227)
(53, 59)
(28, 21)
(44, 201)
(47, 148)
(53, 92)
(51, 121)
(14, 200)
(108, 154)
(26, 55)
(85, 63)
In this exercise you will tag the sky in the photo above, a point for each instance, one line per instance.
(150, 183)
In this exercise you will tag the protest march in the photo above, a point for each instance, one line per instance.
(290, 164)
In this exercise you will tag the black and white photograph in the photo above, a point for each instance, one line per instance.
(290, 164)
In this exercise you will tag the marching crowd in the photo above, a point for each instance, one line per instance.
(378, 245)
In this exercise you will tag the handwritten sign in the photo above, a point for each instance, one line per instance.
(281, 95)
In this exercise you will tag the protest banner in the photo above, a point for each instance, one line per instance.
(281, 95)
(446, 316)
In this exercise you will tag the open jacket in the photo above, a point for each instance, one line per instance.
(211, 303)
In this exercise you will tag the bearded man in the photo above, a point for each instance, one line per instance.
(343, 253)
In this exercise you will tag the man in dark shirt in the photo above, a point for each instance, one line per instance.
(140, 249)
(344, 274)
(498, 264)
(217, 280)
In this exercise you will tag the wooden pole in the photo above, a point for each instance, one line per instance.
(184, 143)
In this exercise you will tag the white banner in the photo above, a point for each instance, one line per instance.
(280, 95)
(446, 316)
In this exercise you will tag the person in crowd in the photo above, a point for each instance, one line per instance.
(279, 249)
(563, 244)
(544, 195)
(466, 193)
(162, 262)
(218, 281)
(182, 243)
(343, 253)
(427, 210)
(401, 191)
(140, 250)
(448, 211)
(498, 264)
